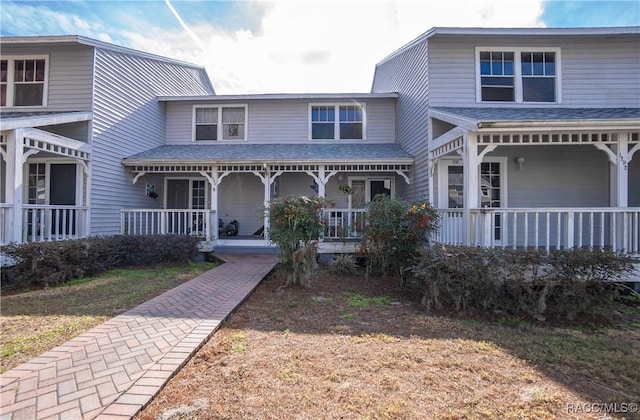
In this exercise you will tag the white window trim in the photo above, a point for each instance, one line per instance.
(219, 123)
(47, 178)
(517, 73)
(443, 179)
(207, 194)
(11, 82)
(336, 123)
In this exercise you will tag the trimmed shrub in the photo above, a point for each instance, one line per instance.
(296, 223)
(394, 232)
(51, 263)
(522, 283)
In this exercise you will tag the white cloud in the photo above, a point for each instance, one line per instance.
(333, 46)
(294, 46)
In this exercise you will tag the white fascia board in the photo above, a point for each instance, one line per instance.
(279, 96)
(160, 162)
(549, 125)
(40, 120)
(467, 123)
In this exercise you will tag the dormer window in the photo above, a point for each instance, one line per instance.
(23, 81)
(337, 122)
(518, 75)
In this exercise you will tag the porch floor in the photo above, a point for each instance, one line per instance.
(116, 368)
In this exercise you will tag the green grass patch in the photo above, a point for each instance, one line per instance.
(356, 300)
(35, 321)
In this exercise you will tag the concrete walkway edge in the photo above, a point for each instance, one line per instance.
(114, 370)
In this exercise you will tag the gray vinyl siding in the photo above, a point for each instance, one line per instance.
(128, 119)
(77, 131)
(556, 176)
(281, 121)
(69, 78)
(407, 74)
(595, 72)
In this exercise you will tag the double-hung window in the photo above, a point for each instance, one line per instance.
(228, 123)
(518, 75)
(337, 122)
(23, 81)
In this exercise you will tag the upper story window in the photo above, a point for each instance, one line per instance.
(220, 122)
(339, 121)
(23, 81)
(518, 75)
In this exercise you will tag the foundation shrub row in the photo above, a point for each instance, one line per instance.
(52, 263)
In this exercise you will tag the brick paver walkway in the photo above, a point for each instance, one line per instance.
(115, 369)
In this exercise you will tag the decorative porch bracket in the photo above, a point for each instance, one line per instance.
(321, 178)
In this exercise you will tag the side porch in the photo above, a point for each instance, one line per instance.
(536, 178)
(45, 188)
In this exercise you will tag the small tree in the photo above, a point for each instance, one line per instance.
(394, 232)
(296, 223)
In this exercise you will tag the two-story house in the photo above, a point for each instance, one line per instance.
(225, 156)
(71, 108)
(523, 137)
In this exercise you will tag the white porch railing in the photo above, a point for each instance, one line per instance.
(343, 223)
(5, 223)
(53, 222)
(617, 229)
(162, 221)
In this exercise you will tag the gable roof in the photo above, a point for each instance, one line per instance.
(272, 153)
(53, 40)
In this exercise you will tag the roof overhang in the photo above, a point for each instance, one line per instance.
(13, 120)
(272, 154)
(518, 120)
(281, 96)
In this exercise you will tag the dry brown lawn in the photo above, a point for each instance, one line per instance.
(351, 347)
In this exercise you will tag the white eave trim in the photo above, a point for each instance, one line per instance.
(40, 120)
(167, 162)
(467, 123)
(278, 96)
(474, 125)
(542, 125)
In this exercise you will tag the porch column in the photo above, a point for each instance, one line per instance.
(267, 198)
(621, 177)
(471, 184)
(14, 183)
(621, 188)
(215, 178)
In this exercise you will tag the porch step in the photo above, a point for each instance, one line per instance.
(245, 250)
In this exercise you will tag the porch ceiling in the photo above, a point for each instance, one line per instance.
(272, 154)
(490, 118)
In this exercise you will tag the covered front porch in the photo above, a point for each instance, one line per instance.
(205, 194)
(44, 192)
(541, 178)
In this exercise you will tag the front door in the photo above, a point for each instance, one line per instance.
(183, 194)
(492, 190)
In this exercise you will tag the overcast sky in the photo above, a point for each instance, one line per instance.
(291, 46)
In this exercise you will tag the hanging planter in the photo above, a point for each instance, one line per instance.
(347, 189)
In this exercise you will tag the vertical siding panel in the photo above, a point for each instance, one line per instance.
(127, 120)
(407, 74)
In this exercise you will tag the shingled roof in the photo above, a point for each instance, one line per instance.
(272, 153)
